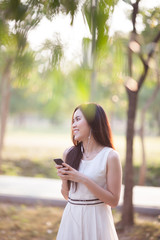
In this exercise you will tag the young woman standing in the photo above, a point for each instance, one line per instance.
(91, 178)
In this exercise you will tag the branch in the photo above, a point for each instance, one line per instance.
(133, 34)
(143, 60)
(134, 14)
(155, 41)
(156, 90)
(146, 63)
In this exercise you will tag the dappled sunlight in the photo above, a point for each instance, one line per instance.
(131, 84)
(134, 46)
(35, 146)
(41, 146)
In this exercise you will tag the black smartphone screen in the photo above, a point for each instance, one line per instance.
(58, 161)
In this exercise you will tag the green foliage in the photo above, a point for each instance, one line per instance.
(23, 65)
(42, 95)
(97, 20)
(4, 29)
(152, 175)
(29, 168)
(80, 78)
(51, 8)
(53, 51)
(13, 9)
(52, 98)
(14, 45)
(42, 88)
(151, 21)
(16, 20)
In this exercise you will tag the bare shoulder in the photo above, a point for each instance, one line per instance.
(113, 158)
(66, 152)
(114, 164)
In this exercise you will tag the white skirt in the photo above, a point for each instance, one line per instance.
(87, 222)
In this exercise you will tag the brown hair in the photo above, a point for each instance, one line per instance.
(101, 131)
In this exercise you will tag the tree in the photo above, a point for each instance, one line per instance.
(16, 61)
(13, 43)
(133, 87)
(97, 14)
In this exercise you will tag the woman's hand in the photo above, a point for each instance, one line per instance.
(58, 166)
(69, 173)
(64, 187)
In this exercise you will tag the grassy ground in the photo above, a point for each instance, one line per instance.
(41, 223)
(30, 153)
(32, 144)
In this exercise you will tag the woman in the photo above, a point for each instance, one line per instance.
(91, 178)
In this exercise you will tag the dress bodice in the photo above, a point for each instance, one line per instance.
(94, 169)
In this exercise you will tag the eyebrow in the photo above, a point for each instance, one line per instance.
(76, 117)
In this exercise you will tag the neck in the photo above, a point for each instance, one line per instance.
(90, 146)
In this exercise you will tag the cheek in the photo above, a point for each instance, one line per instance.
(84, 127)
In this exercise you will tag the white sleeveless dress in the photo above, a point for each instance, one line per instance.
(85, 217)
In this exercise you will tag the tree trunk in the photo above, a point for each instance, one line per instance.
(127, 210)
(5, 98)
(142, 173)
(158, 122)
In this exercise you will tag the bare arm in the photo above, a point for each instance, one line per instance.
(64, 186)
(110, 195)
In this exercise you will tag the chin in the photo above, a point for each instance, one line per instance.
(77, 138)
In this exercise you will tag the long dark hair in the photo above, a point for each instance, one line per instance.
(101, 131)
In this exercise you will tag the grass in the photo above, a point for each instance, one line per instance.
(35, 145)
(22, 222)
(30, 168)
(145, 228)
(23, 143)
(152, 148)
(30, 153)
(41, 223)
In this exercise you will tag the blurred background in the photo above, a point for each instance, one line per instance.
(55, 55)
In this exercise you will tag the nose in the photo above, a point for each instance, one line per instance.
(74, 124)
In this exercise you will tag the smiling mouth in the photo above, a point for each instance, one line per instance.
(75, 131)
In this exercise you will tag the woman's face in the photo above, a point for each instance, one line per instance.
(80, 127)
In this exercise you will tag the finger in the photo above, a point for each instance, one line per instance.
(66, 165)
(62, 172)
(65, 168)
(63, 177)
(58, 166)
(59, 171)
(60, 175)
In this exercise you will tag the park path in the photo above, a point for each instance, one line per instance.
(28, 190)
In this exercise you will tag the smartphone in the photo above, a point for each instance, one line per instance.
(58, 161)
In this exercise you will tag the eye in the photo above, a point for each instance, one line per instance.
(78, 118)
